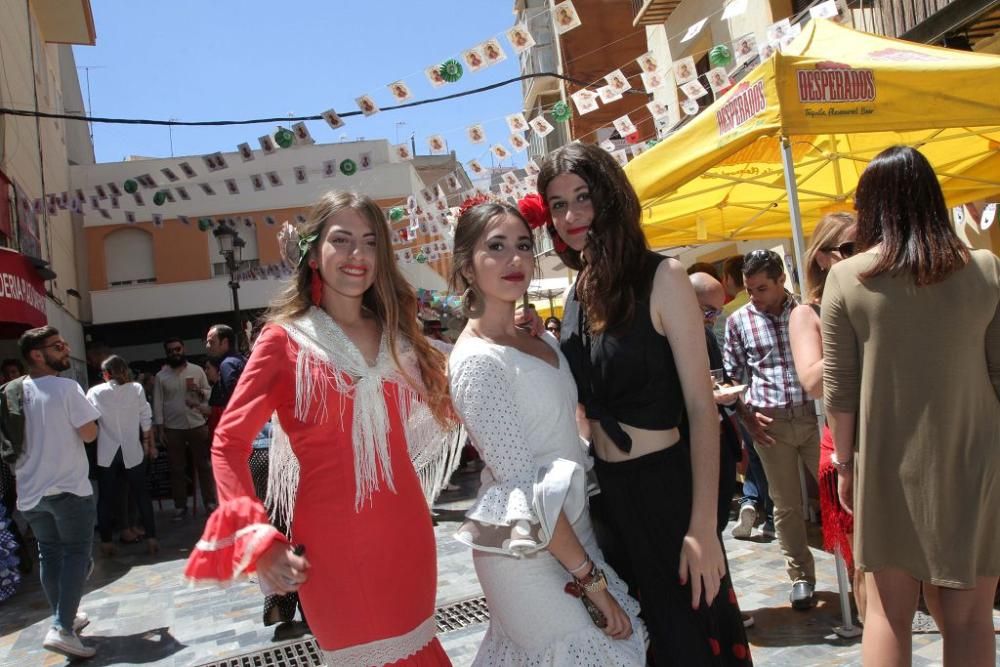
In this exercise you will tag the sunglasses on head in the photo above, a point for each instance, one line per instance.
(846, 249)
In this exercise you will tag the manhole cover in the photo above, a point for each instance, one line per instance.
(306, 653)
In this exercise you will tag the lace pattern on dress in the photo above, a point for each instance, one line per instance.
(385, 651)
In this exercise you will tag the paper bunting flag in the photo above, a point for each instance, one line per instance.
(209, 161)
(825, 10)
(257, 181)
(745, 48)
(766, 51)
(94, 204)
(617, 81)
(776, 31)
(247, 221)
(301, 219)
(500, 152)
(520, 39)
(402, 152)
(608, 145)
(365, 161)
(367, 105)
(273, 179)
(130, 217)
(426, 196)
(146, 181)
(75, 206)
(621, 156)
(475, 168)
(158, 219)
(690, 107)
(637, 149)
(301, 133)
(585, 101)
(658, 109)
(792, 33)
(101, 194)
(80, 195)
(493, 51)
(648, 62)
(541, 126)
(332, 119)
(694, 30)
(565, 17)
(474, 59)
(400, 91)
(115, 203)
(452, 183)
(684, 70)
(516, 122)
(301, 176)
(139, 201)
(987, 217)
(476, 134)
(719, 80)
(220, 162)
(694, 90)
(244, 150)
(168, 196)
(183, 219)
(958, 214)
(436, 144)
(653, 80)
(510, 178)
(183, 193)
(433, 74)
(507, 189)
(104, 214)
(329, 168)
(532, 168)
(187, 170)
(531, 182)
(734, 9)
(231, 186)
(608, 94)
(624, 126)
(270, 220)
(112, 188)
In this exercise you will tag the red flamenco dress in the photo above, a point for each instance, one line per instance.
(354, 458)
(838, 525)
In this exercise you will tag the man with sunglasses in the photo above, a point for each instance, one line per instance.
(179, 389)
(779, 414)
(53, 490)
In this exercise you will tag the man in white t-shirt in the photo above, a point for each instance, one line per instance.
(53, 490)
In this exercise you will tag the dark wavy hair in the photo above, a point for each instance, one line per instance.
(900, 205)
(608, 281)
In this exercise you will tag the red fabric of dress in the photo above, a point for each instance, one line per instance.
(838, 525)
(372, 580)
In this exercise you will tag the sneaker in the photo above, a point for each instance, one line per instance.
(67, 643)
(767, 530)
(745, 522)
(179, 515)
(81, 621)
(747, 620)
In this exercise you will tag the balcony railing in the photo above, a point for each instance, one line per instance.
(924, 21)
(652, 12)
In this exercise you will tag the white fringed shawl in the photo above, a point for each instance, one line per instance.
(327, 360)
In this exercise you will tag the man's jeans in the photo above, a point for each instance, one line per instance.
(64, 527)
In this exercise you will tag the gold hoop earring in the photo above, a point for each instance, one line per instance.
(472, 303)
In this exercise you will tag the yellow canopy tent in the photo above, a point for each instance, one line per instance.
(788, 142)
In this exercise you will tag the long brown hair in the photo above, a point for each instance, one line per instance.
(832, 230)
(900, 205)
(116, 367)
(615, 248)
(390, 297)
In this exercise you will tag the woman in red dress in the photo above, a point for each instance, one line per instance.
(361, 440)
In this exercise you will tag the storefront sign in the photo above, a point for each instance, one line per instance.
(22, 292)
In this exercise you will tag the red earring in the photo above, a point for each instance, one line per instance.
(315, 285)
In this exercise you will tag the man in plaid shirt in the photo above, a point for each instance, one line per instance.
(779, 415)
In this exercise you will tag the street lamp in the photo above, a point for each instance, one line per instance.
(231, 249)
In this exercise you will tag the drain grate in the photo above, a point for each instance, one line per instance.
(461, 614)
(306, 653)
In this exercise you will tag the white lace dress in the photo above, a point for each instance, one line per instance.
(521, 414)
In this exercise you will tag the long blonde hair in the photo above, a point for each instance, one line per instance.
(390, 297)
(832, 230)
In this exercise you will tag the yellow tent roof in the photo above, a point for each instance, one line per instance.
(839, 97)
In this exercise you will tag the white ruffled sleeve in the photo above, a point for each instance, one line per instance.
(520, 499)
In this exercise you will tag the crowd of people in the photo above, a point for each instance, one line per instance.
(610, 439)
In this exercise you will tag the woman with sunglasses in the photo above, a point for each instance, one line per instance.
(636, 346)
(832, 241)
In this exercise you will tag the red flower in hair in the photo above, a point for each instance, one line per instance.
(534, 210)
(472, 202)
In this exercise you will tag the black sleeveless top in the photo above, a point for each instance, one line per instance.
(628, 376)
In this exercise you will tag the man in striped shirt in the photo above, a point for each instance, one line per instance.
(779, 415)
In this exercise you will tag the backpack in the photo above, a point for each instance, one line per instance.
(12, 421)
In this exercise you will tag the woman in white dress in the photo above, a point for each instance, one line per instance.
(530, 526)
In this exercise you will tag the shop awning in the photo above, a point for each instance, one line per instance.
(22, 294)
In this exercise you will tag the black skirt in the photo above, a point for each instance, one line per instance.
(641, 518)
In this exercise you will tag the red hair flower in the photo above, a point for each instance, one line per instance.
(534, 210)
(472, 202)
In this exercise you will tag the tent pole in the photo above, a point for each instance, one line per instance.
(798, 240)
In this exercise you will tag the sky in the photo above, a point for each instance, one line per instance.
(235, 60)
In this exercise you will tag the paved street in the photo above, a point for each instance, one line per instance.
(143, 613)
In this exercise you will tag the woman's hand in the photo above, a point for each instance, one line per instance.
(725, 398)
(619, 625)
(702, 564)
(845, 490)
(529, 320)
(280, 570)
